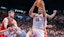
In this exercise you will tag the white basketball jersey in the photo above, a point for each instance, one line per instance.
(39, 21)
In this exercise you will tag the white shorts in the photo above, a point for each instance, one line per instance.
(38, 32)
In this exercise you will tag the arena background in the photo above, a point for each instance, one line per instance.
(21, 8)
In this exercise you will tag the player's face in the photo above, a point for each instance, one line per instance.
(40, 10)
(12, 14)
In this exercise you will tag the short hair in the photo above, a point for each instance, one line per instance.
(10, 25)
(10, 11)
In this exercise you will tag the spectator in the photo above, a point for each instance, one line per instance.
(23, 34)
(52, 33)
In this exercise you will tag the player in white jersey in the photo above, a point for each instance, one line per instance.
(40, 20)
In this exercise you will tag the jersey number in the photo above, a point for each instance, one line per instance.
(37, 19)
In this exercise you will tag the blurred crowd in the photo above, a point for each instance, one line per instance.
(57, 23)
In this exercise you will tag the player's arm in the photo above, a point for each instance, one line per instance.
(31, 14)
(18, 32)
(2, 31)
(16, 25)
(5, 21)
(44, 10)
(51, 16)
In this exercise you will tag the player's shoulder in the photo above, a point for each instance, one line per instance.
(5, 19)
(14, 20)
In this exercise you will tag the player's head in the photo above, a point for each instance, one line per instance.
(40, 10)
(10, 25)
(11, 13)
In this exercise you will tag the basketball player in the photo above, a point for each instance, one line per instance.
(8, 20)
(10, 31)
(40, 19)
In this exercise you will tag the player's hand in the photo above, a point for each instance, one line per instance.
(10, 29)
(54, 11)
(42, 2)
(35, 2)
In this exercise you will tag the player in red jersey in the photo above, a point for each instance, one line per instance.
(8, 20)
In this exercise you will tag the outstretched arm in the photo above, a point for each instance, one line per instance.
(2, 31)
(44, 10)
(31, 14)
(51, 16)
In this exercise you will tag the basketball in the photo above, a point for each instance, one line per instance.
(39, 4)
